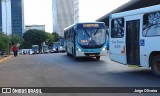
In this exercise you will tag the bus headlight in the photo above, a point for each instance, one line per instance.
(104, 48)
(78, 49)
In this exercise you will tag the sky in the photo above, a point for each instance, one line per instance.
(39, 12)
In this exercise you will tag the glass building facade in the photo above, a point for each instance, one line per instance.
(17, 17)
(12, 17)
(54, 11)
(0, 17)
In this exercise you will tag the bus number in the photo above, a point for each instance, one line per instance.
(117, 46)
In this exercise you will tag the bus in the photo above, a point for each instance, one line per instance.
(45, 49)
(61, 41)
(35, 49)
(86, 40)
(61, 47)
(55, 46)
(134, 38)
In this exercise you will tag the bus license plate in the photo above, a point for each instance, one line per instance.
(92, 55)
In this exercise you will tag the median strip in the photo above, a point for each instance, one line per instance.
(4, 59)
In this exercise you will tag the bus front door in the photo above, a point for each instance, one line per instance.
(132, 42)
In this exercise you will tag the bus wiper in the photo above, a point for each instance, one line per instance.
(96, 32)
(86, 32)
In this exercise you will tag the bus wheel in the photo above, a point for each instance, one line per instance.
(67, 54)
(155, 65)
(75, 58)
(97, 57)
(74, 55)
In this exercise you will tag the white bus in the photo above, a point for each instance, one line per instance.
(134, 37)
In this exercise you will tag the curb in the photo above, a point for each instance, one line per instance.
(6, 59)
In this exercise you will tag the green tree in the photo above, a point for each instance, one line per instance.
(4, 42)
(55, 36)
(17, 39)
(49, 39)
(34, 37)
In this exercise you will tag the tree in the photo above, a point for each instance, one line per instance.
(17, 39)
(55, 36)
(49, 39)
(4, 42)
(34, 37)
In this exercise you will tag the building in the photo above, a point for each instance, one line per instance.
(38, 27)
(76, 11)
(12, 17)
(0, 17)
(65, 13)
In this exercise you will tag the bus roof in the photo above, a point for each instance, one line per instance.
(82, 23)
(136, 11)
(34, 45)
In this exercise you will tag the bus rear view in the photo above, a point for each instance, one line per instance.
(86, 40)
(35, 49)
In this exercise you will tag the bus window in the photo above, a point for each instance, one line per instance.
(151, 24)
(91, 34)
(117, 28)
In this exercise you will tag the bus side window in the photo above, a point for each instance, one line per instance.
(117, 28)
(151, 25)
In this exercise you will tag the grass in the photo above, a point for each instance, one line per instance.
(1, 57)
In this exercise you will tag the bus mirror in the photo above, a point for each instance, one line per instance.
(75, 34)
(107, 31)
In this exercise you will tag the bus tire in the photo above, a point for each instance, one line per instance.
(155, 65)
(74, 55)
(67, 54)
(97, 57)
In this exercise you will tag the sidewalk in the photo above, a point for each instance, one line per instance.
(4, 59)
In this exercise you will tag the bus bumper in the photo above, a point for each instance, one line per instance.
(91, 54)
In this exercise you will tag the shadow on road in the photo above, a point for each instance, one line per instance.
(85, 59)
(132, 74)
(133, 78)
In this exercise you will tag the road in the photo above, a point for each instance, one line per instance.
(60, 70)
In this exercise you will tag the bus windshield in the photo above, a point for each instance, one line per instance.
(91, 37)
(62, 42)
(35, 48)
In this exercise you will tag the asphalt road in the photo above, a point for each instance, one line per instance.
(59, 70)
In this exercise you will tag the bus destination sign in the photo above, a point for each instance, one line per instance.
(90, 25)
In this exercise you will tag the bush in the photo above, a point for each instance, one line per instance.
(4, 43)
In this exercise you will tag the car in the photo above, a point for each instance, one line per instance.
(61, 49)
(54, 49)
(31, 52)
